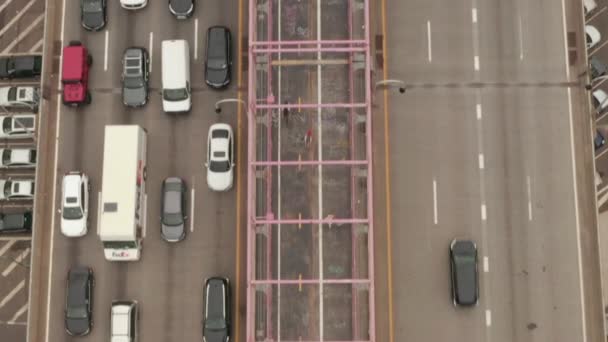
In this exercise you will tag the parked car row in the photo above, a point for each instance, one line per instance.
(124, 315)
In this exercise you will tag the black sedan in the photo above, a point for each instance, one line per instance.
(218, 60)
(79, 301)
(93, 14)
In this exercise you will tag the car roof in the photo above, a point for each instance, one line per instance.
(71, 184)
(216, 290)
(77, 281)
(73, 60)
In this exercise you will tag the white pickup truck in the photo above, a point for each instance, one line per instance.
(17, 126)
(19, 97)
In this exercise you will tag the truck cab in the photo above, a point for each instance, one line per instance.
(75, 74)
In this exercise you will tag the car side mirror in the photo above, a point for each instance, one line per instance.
(206, 164)
(233, 164)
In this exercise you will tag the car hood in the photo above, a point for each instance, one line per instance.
(177, 106)
(77, 326)
(93, 21)
(172, 233)
(215, 335)
(74, 228)
(134, 96)
(217, 77)
(219, 181)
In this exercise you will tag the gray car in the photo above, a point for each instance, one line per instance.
(79, 301)
(135, 73)
(173, 213)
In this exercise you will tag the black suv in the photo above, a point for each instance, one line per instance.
(93, 14)
(79, 301)
(16, 223)
(463, 267)
(218, 59)
(20, 66)
(216, 324)
(135, 72)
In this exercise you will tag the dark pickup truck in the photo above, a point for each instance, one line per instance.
(20, 66)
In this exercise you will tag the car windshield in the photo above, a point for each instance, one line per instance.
(172, 219)
(7, 188)
(217, 64)
(6, 156)
(133, 82)
(77, 312)
(219, 166)
(91, 6)
(215, 324)
(12, 94)
(175, 94)
(7, 125)
(72, 213)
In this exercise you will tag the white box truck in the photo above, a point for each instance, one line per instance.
(122, 212)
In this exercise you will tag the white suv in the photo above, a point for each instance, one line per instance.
(74, 204)
(123, 321)
(22, 189)
(20, 97)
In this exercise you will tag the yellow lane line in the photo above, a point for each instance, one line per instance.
(239, 158)
(387, 180)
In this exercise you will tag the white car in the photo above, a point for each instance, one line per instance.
(19, 97)
(600, 100)
(133, 4)
(17, 126)
(589, 5)
(74, 204)
(593, 36)
(22, 189)
(220, 157)
(17, 157)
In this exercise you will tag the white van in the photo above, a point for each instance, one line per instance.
(123, 321)
(176, 76)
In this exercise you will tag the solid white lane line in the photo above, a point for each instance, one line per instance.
(481, 162)
(6, 3)
(429, 41)
(7, 246)
(320, 171)
(521, 41)
(478, 107)
(105, 54)
(145, 214)
(53, 193)
(16, 17)
(23, 34)
(17, 314)
(99, 209)
(196, 38)
(576, 213)
(488, 318)
(565, 33)
(486, 264)
(150, 51)
(192, 209)
(14, 264)
(37, 46)
(435, 216)
(529, 192)
(474, 15)
(483, 212)
(476, 63)
(12, 294)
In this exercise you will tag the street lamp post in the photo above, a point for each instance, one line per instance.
(218, 109)
(394, 83)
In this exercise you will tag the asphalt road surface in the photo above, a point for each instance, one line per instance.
(168, 280)
(481, 148)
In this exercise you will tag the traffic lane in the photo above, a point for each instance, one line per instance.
(421, 246)
(533, 248)
(452, 42)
